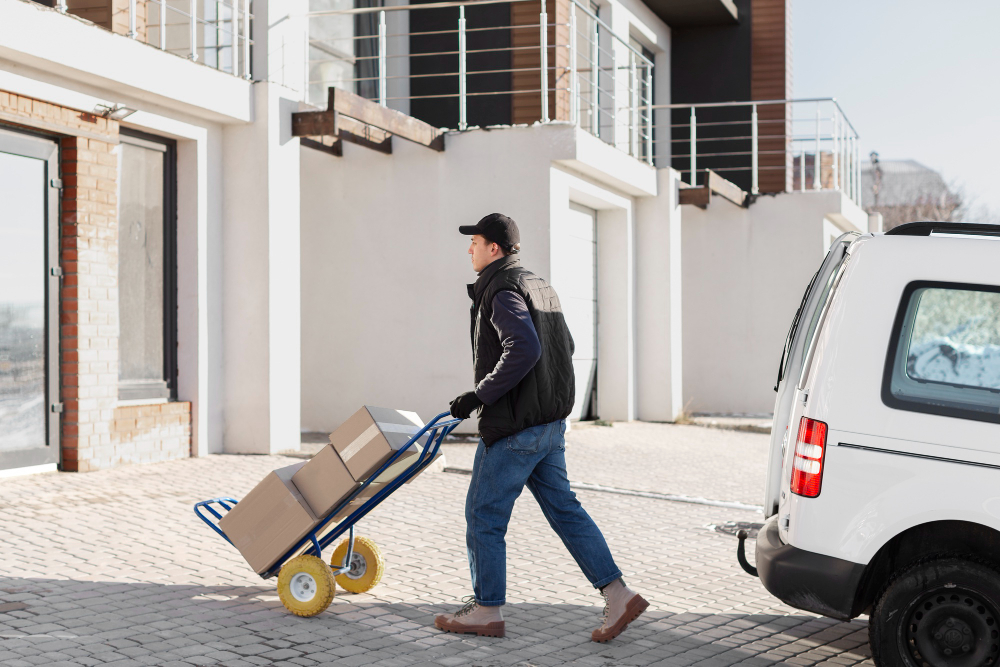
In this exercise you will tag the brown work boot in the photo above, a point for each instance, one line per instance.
(621, 607)
(474, 619)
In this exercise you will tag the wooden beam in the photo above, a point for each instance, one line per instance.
(390, 120)
(365, 135)
(314, 124)
(697, 196)
(701, 195)
(725, 189)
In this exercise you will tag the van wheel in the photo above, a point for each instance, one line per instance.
(939, 613)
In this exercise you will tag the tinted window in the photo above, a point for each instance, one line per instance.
(145, 260)
(946, 356)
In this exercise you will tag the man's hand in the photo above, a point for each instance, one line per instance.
(463, 406)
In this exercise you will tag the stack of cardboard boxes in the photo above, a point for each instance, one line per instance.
(290, 502)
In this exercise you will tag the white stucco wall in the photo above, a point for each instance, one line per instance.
(385, 312)
(743, 274)
(658, 263)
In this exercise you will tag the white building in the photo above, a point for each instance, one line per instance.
(198, 255)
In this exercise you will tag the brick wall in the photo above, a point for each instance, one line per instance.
(96, 432)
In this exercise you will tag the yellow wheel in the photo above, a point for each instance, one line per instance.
(367, 565)
(305, 585)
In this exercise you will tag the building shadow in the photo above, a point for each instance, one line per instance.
(78, 622)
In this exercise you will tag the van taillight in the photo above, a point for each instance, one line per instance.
(807, 465)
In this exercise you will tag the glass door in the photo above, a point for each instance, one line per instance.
(29, 296)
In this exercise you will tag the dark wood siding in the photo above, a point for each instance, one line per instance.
(771, 79)
(526, 107)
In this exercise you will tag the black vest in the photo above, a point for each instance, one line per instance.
(546, 393)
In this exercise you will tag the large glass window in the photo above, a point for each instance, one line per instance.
(29, 290)
(146, 267)
(947, 352)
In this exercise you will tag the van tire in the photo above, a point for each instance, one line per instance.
(938, 613)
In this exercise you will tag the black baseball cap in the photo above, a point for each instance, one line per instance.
(497, 228)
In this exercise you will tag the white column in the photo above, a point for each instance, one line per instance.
(616, 315)
(658, 302)
(262, 284)
(199, 286)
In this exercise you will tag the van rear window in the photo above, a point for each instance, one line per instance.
(945, 354)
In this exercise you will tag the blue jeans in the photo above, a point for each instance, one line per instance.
(536, 458)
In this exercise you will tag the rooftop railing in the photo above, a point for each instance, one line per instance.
(768, 146)
(213, 32)
(460, 65)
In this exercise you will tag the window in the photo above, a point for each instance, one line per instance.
(146, 269)
(645, 73)
(945, 352)
(819, 316)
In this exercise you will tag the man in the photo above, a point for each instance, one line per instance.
(522, 354)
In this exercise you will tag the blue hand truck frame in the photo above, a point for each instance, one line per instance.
(434, 432)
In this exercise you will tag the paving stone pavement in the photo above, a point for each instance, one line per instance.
(663, 458)
(113, 567)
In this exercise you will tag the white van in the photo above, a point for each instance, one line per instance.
(883, 486)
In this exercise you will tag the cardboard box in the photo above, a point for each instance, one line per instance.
(436, 464)
(324, 481)
(269, 520)
(360, 500)
(371, 436)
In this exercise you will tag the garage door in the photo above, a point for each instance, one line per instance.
(574, 276)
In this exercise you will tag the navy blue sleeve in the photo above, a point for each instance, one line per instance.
(521, 349)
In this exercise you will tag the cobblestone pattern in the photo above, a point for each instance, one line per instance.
(114, 568)
(664, 458)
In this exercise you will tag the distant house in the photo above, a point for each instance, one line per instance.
(906, 191)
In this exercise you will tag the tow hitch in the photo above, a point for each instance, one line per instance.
(741, 553)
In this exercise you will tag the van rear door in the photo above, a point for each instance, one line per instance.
(792, 357)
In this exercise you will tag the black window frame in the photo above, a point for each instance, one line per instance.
(134, 393)
(888, 398)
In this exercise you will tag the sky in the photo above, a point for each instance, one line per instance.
(918, 80)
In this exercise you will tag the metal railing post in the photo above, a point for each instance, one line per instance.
(802, 171)
(633, 105)
(857, 171)
(235, 36)
(194, 30)
(754, 175)
(574, 84)
(131, 19)
(614, 92)
(852, 191)
(543, 22)
(381, 59)
(817, 159)
(462, 118)
(694, 148)
(247, 74)
(595, 81)
(218, 34)
(836, 151)
(163, 25)
(649, 114)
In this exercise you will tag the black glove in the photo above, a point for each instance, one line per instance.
(463, 406)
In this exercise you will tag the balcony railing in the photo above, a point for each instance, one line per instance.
(768, 146)
(213, 32)
(460, 65)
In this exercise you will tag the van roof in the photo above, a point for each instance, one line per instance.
(928, 228)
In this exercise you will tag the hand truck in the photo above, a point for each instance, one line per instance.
(306, 584)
